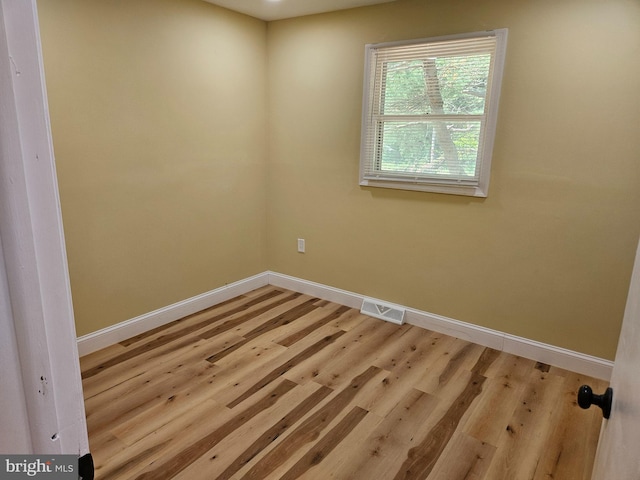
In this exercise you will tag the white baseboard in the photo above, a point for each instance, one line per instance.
(135, 326)
(541, 352)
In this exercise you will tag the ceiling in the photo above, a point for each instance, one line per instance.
(279, 9)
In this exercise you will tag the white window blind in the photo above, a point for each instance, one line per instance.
(429, 113)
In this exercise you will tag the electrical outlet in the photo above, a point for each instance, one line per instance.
(301, 245)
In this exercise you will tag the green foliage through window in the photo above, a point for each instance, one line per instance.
(454, 85)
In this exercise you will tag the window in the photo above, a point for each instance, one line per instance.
(429, 113)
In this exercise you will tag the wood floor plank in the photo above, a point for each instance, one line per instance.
(178, 381)
(242, 316)
(268, 326)
(327, 444)
(275, 384)
(495, 408)
(271, 434)
(336, 463)
(164, 345)
(464, 458)
(310, 429)
(131, 460)
(350, 320)
(227, 308)
(523, 441)
(464, 355)
(133, 367)
(278, 316)
(109, 447)
(324, 316)
(281, 369)
(511, 368)
(137, 397)
(408, 369)
(382, 452)
(233, 353)
(358, 354)
(285, 318)
(393, 355)
(310, 369)
(356, 346)
(574, 435)
(422, 458)
(172, 404)
(182, 332)
(431, 361)
(96, 358)
(197, 424)
(242, 379)
(191, 453)
(168, 358)
(259, 291)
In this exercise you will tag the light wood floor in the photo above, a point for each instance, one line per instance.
(279, 385)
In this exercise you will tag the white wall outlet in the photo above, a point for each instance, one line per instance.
(301, 245)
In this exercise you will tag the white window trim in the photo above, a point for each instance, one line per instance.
(487, 142)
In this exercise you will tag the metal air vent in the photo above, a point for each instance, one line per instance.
(383, 311)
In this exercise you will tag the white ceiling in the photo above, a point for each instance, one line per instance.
(279, 9)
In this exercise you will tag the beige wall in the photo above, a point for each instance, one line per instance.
(176, 179)
(548, 254)
(158, 112)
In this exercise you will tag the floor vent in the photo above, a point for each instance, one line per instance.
(383, 311)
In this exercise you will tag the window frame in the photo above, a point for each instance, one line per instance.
(370, 127)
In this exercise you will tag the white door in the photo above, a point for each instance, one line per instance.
(618, 455)
(40, 369)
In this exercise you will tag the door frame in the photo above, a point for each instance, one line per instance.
(33, 247)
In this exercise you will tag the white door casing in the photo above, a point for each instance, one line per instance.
(618, 455)
(13, 413)
(40, 314)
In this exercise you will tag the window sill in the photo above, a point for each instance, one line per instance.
(464, 190)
